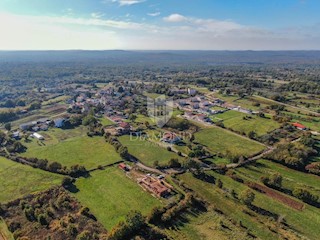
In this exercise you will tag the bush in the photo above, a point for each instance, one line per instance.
(247, 197)
(42, 219)
(304, 195)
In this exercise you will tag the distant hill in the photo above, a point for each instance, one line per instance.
(172, 57)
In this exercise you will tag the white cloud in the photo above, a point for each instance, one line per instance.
(66, 32)
(41, 33)
(97, 15)
(155, 14)
(127, 2)
(175, 18)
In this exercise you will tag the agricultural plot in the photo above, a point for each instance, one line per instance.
(110, 195)
(242, 122)
(291, 178)
(58, 99)
(82, 150)
(18, 180)
(220, 140)
(146, 151)
(303, 222)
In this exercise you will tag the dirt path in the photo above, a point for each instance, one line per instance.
(252, 159)
(150, 169)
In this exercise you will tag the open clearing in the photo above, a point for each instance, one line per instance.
(82, 150)
(235, 120)
(17, 180)
(147, 152)
(110, 195)
(220, 140)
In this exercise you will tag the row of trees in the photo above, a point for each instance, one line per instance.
(122, 150)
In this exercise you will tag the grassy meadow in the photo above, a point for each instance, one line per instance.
(235, 120)
(110, 195)
(146, 151)
(17, 180)
(70, 147)
(220, 140)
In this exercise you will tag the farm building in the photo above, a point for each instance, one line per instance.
(38, 136)
(299, 126)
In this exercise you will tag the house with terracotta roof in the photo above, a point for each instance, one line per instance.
(299, 126)
(155, 186)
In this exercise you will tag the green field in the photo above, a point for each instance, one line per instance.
(83, 150)
(234, 120)
(142, 119)
(17, 180)
(291, 178)
(110, 195)
(105, 121)
(146, 151)
(220, 140)
(305, 222)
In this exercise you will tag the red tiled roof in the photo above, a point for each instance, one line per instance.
(299, 125)
(122, 166)
(124, 125)
(169, 135)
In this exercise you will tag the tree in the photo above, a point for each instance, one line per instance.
(85, 235)
(174, 163)
(54, 167)
(7, 126)
(89, 120)
(247, 197)
(156, 163)
(132, 117)
(304, 195)
(133, 222)
(252, 134)
(276, 180)
(35, 105)
(42, 219)
(313, 168)
(67, 181)
(219, 183)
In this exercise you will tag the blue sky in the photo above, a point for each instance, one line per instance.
(160, 24)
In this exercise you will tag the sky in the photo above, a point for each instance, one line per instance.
(160, 24)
